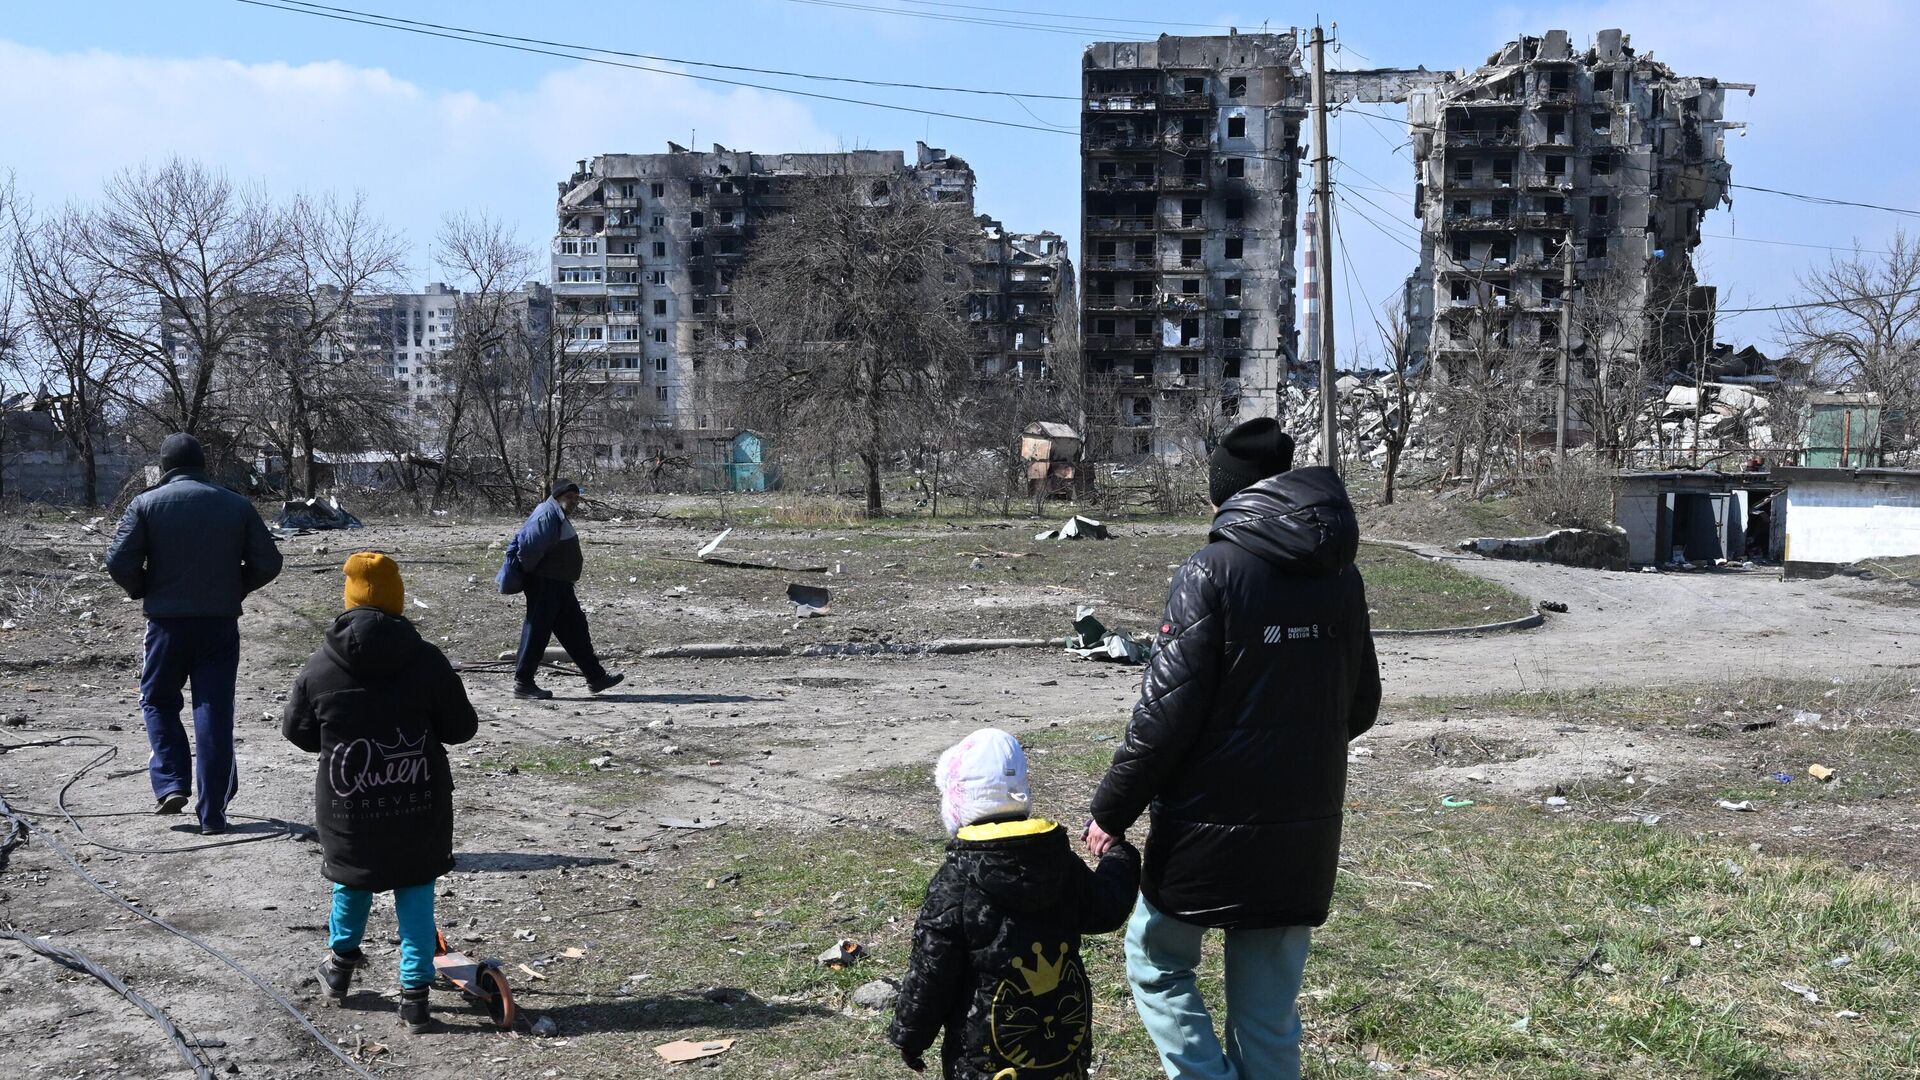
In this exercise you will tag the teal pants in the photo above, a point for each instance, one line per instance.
(412, 907)
(1263, 973)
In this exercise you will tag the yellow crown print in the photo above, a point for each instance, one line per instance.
(1043, 976)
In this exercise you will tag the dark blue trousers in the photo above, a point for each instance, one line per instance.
(554, 611)
(205, 652)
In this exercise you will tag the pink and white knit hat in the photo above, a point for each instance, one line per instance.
(981, 778)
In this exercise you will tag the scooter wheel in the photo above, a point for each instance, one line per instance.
(497, 997)
(440, 943)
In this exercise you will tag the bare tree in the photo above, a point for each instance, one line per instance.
(63, 301)
(319, 340)
(570, 394)
(1865, 329)
(190, 260)
(848, 329)
(1398, 394)
(484, 372)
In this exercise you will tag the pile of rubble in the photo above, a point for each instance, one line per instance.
(1735, 414)
(1725, 415)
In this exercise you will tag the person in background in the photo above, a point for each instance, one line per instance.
(544, 560)
(190, 551)
(1263, 670)
(380, 705)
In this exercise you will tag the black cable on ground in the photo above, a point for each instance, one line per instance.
(80, 961)
(286, 829)
(261, 984)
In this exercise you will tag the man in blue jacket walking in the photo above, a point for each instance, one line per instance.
(190, 551)
(544, 560)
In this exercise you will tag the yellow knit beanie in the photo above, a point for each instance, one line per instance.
(373, 580)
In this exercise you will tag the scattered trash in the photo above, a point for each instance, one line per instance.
(523, 935)
(1806, 992)
(1846, 1014)
(1802, 716)
(1820, 772)
(810, 601)
(1520, 1026)
(1556, 800)
(1696, 942)
(1093, 641)
(977, 564)
(315, 514)
(1555, 606)
(1732, 868)
(714, 544)
(604, 761)
(844, 953)
(1454, 802)
(1840, 961)
(1077, 528)
(531, 973)
(1781, 778)
(675, 1053)
(574, 952)
(695, 824)
(878, 995)
(1744, 806)
(1758, 725)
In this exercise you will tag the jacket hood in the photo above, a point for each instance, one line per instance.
(371, 643)
(1301, 520)
(1021, 871)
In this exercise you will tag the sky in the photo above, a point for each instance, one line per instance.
(426, 127)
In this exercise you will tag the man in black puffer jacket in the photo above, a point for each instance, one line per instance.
(380, 705)
(1264, 668)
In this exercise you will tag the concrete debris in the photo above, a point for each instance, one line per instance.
(878, 995)
(1589, 548)
(545, 1028)
(1077, 528)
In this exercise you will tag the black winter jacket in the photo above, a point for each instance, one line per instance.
(380, 706)
(996, 952)
(189, 548)
(1263, 670)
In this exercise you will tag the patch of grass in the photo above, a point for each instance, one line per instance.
(1407, 592)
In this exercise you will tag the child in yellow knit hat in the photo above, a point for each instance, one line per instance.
(380, 705)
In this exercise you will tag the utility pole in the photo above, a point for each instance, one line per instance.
(1566, 348)
(1323, 245)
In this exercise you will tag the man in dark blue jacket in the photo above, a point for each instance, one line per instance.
(1264, 668)
(190, 551)
(544, 560)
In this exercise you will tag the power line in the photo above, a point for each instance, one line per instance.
(1086, 18)
(1790, 243)
(682, 60)
(654, 70)
(1003, 24)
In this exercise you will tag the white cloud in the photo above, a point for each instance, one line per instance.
(74, 119)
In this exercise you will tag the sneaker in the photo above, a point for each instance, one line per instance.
(217, 828)
(530, 692)
(606, 682)
(171, 803)
(336, 972)
(414, 1010)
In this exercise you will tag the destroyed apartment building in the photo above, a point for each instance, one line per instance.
(1190, 159)
(648, 245)
(1550, 163)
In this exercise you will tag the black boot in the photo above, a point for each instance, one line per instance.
(336, 973)
(530, 692)
(413, 1010)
